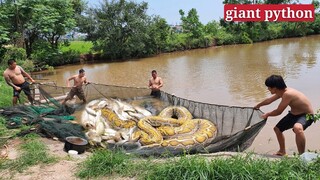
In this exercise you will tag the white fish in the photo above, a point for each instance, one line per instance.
(99, 124)
(142, 111)
(137, 116)
(86, 121)
(89, 106)
(93, 137)
(125, 106)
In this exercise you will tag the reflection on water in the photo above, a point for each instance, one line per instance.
(230, 75)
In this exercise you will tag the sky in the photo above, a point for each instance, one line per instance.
(208, 10)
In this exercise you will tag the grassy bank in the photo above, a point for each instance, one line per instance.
(83, 47)
(196, 167)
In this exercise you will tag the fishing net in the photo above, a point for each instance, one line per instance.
(48, 118)
(236, 126)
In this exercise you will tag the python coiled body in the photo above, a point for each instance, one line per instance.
(178, 112)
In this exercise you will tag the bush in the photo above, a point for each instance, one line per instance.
(19, 54)
(45, 55)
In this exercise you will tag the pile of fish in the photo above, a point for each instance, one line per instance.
(116, 122)
(111, 120)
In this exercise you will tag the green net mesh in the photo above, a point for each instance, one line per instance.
(236, 126)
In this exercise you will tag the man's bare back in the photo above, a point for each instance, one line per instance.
(298, 102)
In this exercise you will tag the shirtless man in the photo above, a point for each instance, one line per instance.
(78, 81)
(14, 76)
(155, 83)
(295, 119)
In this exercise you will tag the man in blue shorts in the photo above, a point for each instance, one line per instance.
(295, 119)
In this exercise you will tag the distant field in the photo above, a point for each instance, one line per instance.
(83, 47)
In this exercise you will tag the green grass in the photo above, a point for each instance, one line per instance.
(33, 152)
(105, 163)
(83, 47)
(102, 163)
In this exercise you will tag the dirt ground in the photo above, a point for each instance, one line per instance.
(65, 168)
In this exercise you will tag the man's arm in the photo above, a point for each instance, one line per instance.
(8, 81)
(150, 84)
(160, 83)
(281, 107)
(69, 79)
(267, 101)
(85, 81)
(26, 74)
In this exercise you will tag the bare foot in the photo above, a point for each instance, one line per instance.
(280, 153)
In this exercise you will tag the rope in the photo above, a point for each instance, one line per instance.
(98, 91)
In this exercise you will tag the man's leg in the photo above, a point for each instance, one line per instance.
(14, 100)
(281, 141)
(30, 99)
(300, 137)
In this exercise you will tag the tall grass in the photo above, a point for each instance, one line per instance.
(105, 163)
(83, 47)
(237, 167)
(102, 163)
(6, 93)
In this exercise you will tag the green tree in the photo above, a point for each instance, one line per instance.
(191, 23)
(122, 29)
(32, 20)
(4, 33)
(158, 31)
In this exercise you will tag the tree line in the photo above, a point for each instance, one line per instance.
(32, 30)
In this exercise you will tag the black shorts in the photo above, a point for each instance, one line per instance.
(24, 87)
(289, 120)
(156, 94)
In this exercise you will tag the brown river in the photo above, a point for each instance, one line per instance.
(230, 75)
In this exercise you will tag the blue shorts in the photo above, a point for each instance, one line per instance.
(289, 120)
(24, 87)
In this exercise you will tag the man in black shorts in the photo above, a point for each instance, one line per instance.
(155, 83)
(14, 76)
(295, 119)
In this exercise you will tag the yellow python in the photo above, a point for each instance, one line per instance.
(115, 121)
(163, 130)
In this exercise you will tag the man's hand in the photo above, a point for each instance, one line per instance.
(265, 116)
(17, 88)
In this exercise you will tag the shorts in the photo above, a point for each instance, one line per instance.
(78, 91)
(155, 94)
(289, 120)
(24, 87)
